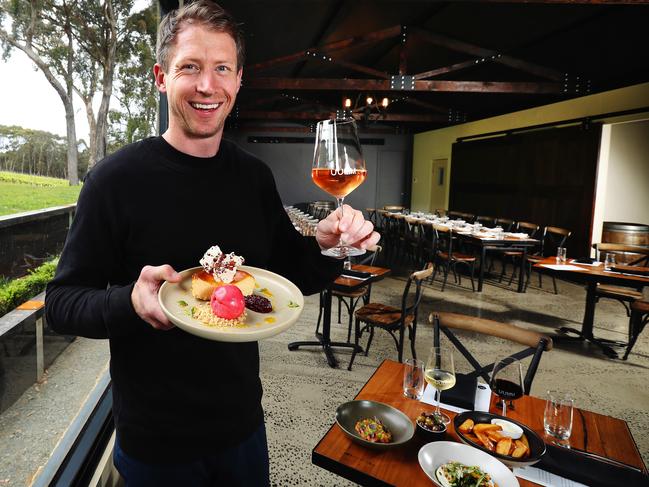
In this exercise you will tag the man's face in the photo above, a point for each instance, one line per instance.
(201, 83)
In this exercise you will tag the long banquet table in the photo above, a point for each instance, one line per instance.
(335, 452)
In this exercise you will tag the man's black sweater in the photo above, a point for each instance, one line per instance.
(175, 396)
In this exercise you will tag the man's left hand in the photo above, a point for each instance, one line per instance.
(352, 228)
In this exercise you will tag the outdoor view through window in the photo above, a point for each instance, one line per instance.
(48, 382)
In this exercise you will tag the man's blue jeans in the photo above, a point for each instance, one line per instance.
(244, 465)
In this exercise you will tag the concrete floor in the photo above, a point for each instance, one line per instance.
(302, 392)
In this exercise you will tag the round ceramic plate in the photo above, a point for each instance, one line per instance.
(177, 302)
(433, 455)
(349, 413)
(537, 446)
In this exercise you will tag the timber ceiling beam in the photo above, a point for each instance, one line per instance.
(369, 38)
(483, 53)
(327, 84)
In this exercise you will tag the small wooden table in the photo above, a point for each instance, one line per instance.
(606, 436)
(591, 276)
(342, 284)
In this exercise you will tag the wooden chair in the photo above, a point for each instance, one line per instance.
(440, 211)
(394, 208)
(532, 229)
(486, 221)
(391, 319)
(507, 224)
(536, 343)
(351, 298)
(634, 256)
(449, 257)
(551, 239)
(637, 322)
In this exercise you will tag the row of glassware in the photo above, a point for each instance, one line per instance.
(303, 222)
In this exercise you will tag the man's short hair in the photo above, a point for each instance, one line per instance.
(200, 12)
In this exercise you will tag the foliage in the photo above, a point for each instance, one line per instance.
(17, 196)
(33, 180)
(84, 47)
(17, 291)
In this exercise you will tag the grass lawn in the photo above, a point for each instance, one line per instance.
(21, 192)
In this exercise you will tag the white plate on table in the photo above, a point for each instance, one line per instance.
(432, 455)
(176, 301)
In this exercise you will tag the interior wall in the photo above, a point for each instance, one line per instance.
(623, 177)
(437, 144)
(388, 171)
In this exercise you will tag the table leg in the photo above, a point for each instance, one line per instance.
(521, 271)
(324, 339)
(483, 256)
(586, 332)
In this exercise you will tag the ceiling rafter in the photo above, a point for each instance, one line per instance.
(324, 84)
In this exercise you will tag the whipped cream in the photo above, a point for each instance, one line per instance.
(222, 266)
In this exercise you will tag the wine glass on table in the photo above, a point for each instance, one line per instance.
(338, 168)
(507, 382)
(440, 374)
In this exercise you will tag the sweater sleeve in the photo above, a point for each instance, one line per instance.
(81, 300)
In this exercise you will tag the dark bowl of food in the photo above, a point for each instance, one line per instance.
(511, 442)
(374, 424)
(430, 427)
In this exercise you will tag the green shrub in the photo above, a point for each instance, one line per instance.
(15, 292)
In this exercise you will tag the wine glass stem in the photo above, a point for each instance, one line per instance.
(439, 400)
(504, 407)
(340, 205)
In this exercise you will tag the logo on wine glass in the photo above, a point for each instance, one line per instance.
(343, 172)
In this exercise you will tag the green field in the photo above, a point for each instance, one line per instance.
(22, 192)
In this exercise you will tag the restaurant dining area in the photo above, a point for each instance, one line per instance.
(494, 335)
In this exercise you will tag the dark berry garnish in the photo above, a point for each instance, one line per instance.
(258, 303)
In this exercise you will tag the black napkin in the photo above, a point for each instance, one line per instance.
(587, 470)
(584, 260)
(352, 273)
(462, 394)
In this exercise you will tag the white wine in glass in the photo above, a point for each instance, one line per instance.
(440, 374)
(338, 168)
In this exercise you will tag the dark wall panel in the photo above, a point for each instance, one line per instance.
(547, 177)
(387, 158)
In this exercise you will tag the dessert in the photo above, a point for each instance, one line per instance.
(227, 302)
(220, 269)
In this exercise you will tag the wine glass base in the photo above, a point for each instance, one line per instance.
(343, 252)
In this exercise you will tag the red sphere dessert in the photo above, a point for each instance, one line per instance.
(227, 302)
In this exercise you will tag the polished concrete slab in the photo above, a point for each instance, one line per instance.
(301, 392)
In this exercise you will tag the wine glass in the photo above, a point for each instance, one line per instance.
(440, 374)
(507, 381)
(338, 168)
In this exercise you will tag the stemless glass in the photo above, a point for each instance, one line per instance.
(440, 374)
(507, 381)
(338, 168)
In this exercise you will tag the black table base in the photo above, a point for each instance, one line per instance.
(326, 347)
(604, 344)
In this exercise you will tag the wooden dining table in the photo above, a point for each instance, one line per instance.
(335, 452)
(509, 243)
(342, 283)
(591, 276)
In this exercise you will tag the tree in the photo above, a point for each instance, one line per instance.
(48, 42)
(77, 47)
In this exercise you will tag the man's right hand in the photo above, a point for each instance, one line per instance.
(145, 295)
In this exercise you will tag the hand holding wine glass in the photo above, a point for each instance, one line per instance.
(440, 374)
(507, 381)
(338, 168)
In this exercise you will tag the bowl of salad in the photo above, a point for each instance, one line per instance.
(451, 464)
(374, 424)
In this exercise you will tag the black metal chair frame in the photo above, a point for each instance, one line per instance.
(399, 325)
(637, 322)
(544, 343)
(450, 263)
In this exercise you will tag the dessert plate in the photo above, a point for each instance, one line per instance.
(176, 301)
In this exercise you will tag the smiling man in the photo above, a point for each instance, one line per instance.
(187, 410)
